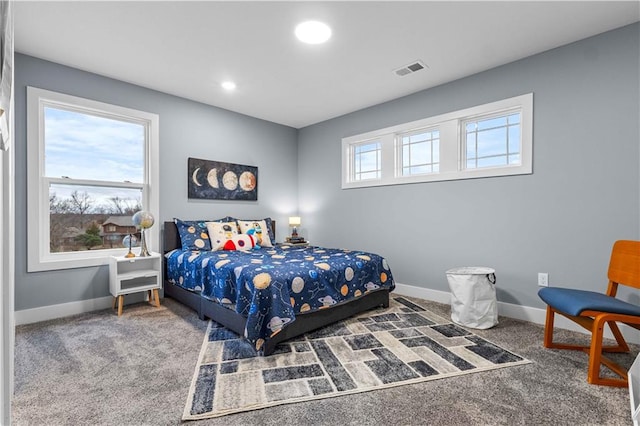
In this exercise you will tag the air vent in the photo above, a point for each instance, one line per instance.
(409, 69)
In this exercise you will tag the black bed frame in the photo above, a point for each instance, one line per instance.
(236, 322)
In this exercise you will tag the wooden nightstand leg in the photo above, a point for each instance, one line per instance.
(156, 295)
(115, 302)
(120, 303)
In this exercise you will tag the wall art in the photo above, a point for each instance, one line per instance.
(215, 180)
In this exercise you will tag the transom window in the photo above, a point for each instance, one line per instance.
(367, 161)
(420, 152)
(494, 139)
(91, 165)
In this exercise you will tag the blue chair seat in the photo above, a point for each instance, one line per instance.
(574, 302)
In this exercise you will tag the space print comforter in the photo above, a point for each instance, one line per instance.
(269, 286)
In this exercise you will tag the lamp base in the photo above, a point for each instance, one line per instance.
(294, 240)
(144, 252)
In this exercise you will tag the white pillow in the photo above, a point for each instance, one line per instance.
(241, 242)
(220, 233)
(261, 231)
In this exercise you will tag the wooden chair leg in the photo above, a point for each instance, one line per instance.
(596, 358)
(595, 352)
(548, 328)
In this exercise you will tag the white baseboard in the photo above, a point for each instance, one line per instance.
(525, 313)
(44, 313)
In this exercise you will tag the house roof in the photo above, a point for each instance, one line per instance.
(118, 221)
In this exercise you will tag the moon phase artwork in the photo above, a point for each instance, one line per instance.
(215, 180)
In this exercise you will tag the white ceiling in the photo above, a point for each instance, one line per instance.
(189, 48)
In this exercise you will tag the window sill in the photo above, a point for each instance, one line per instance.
(444, 176)
(58, 261)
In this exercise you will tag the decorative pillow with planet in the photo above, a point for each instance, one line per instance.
(220, 233)
(193, 235)
(261, 231)
(267, 220)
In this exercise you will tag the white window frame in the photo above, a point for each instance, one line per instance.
(465, 133)
(39, 256)
(352, 168)
(400, 154)
(452, 150)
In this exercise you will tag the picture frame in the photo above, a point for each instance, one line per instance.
(217, 180)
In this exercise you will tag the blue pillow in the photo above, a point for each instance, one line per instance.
(272, 236)
(193, 234)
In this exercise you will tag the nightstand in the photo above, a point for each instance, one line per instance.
(302, 244)
(133, 275)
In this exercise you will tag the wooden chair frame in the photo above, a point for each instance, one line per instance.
(624, 268)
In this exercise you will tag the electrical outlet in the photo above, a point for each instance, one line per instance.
(543, 279)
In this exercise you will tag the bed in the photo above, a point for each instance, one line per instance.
(272, 294)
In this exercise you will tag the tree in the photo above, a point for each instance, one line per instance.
(123, 206)
(56, 205)
(57, 223)
(80, 203)
(91, 237)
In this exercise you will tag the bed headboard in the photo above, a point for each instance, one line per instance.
(171, 238)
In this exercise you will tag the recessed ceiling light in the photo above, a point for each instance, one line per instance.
(228, 85)
(313, 32)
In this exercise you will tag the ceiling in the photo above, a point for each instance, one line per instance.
(188, 48)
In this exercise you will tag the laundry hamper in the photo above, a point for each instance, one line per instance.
(473, 296)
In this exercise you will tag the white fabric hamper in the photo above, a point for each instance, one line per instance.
(473, 296)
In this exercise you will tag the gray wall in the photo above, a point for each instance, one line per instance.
(562, 219)
(584, 193)
(187, 129)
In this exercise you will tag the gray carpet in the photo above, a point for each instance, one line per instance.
(98, 369)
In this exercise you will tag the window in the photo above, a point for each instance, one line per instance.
(494, 139)
(89, 164)
(367, 161)
(420, 152)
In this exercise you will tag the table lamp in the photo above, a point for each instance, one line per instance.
(143, 220)
(294, 222)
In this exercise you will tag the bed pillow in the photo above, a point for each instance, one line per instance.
(220, 233)
(193, 234)
(267, 220)
(240, 242)
(261, 231)
(272, 236)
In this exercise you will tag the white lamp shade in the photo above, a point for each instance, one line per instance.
(294, 221)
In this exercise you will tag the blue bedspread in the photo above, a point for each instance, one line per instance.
(270, 286)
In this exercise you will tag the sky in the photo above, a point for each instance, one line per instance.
(91, 147)
(487, 141)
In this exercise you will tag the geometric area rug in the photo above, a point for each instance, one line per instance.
(384, 347)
